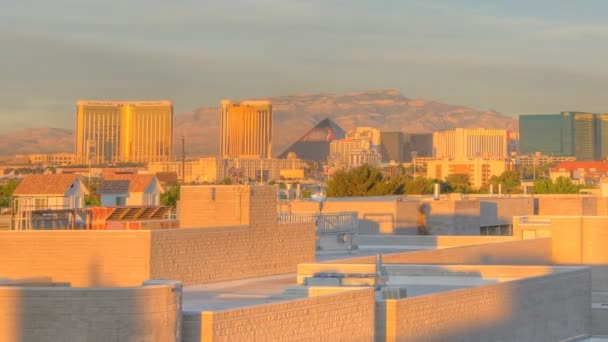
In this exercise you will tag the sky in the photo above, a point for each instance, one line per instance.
(515, 57)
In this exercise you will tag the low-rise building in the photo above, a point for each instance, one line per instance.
(120, 190)
(581, 172)
(348, 153)
(50, 191)
(478, 170)
(213, 169)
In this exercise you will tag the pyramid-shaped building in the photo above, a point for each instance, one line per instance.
(314, 145)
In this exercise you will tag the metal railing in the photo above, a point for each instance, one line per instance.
(344, 225)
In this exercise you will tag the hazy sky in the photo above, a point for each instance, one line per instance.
(517, 56)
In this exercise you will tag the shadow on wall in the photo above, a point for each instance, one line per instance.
(552, 307)
(59, 313)
(376, 223)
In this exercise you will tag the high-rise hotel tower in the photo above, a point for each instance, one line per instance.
(246, 129)
(128, 132)
(470, 143)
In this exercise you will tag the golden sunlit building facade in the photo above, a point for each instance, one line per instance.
(468, 143)
(246, 129)
(127, 132)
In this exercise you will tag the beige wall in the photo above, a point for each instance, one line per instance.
(500, 211)
(528, 252)
(344, 316)
(127, 258)
(571, 205)
(445, 217)
(203, 255)
(374, 216)
(144, 313)
(212, 206)
(82, 258)
(535, 252)
(554, 307)
(575, 240)
(429, 241)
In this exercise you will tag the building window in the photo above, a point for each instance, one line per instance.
(41, 203)
(121, 200)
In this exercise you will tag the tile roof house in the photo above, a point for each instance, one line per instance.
(50, 191)
(581, 172)
(130, 189)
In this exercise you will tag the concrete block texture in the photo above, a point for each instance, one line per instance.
(339, 316)
(144, 313)
(204, 255)
(81, 258)
(520, 252)
(228, 205)
(551, 307)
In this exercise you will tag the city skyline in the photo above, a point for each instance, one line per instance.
(486, 55)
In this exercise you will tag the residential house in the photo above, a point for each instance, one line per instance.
(129, 190)
(50, 192)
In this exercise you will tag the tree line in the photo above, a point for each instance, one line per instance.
(369, 181)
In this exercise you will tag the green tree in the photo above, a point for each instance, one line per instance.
(171, 196)
(510, 181)
(6, 191)
(93, 198)
(458, 183)
(562, 185)
(360, 181)
(419, 186)
(226, 181)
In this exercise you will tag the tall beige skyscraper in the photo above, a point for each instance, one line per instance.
(128, 132)
(246, 129)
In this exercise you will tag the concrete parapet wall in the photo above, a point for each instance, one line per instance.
(427, 241)
(127, 258)
(337, 316)
(81, 258)
(143, 313)
(444, 217)
(500, 210)
(570, 205)
(228, 205)
(537, 251)
(511, 253)
(552, 307)
(204, 255)
(575, 240)
(599, 315)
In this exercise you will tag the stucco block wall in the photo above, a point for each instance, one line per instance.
(568, 205)
(500, 211)
(574, 240)
(228, 205)
(428, 241)
(554, 307)
(375, 217)
(344, 316)
(203, 255)
(600, 320)
(81, 258)
(212, 206)
(145, 313)
(526, 252)
(127, 258)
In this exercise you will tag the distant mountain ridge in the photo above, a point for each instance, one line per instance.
(293, 116)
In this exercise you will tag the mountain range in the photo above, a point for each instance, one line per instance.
(293, 115)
